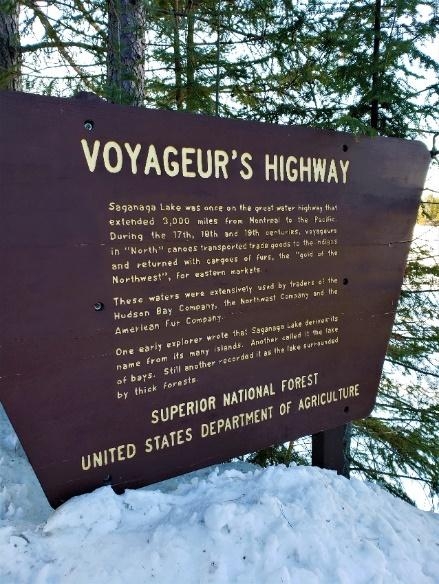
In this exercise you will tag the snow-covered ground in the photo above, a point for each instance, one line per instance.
(230, 524)
(234, 523)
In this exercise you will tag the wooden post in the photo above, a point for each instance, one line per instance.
(330, 449)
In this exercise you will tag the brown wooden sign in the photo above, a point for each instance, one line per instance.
(178, 290)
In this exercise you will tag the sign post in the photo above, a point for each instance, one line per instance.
(178, 290)
(330, 450)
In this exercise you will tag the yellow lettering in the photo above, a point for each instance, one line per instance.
(91, 157)
(133, 154)
(119, 157)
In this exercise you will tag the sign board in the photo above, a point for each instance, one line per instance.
(178, 290)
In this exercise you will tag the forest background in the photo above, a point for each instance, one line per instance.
(367, 67)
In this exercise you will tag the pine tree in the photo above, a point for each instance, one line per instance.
(400, 439)
(65, 46)
(10, 55)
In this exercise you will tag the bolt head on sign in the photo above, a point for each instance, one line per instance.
(178, 290)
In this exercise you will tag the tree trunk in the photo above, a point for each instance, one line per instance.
(126, 51)
(10, 57)
(218, 60)
(190, 60)
(178, 68)
(374, 110)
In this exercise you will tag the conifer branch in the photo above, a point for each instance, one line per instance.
(53, 35)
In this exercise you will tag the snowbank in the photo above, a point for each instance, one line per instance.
(235, 523)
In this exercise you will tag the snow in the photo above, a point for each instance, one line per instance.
(235, 523)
